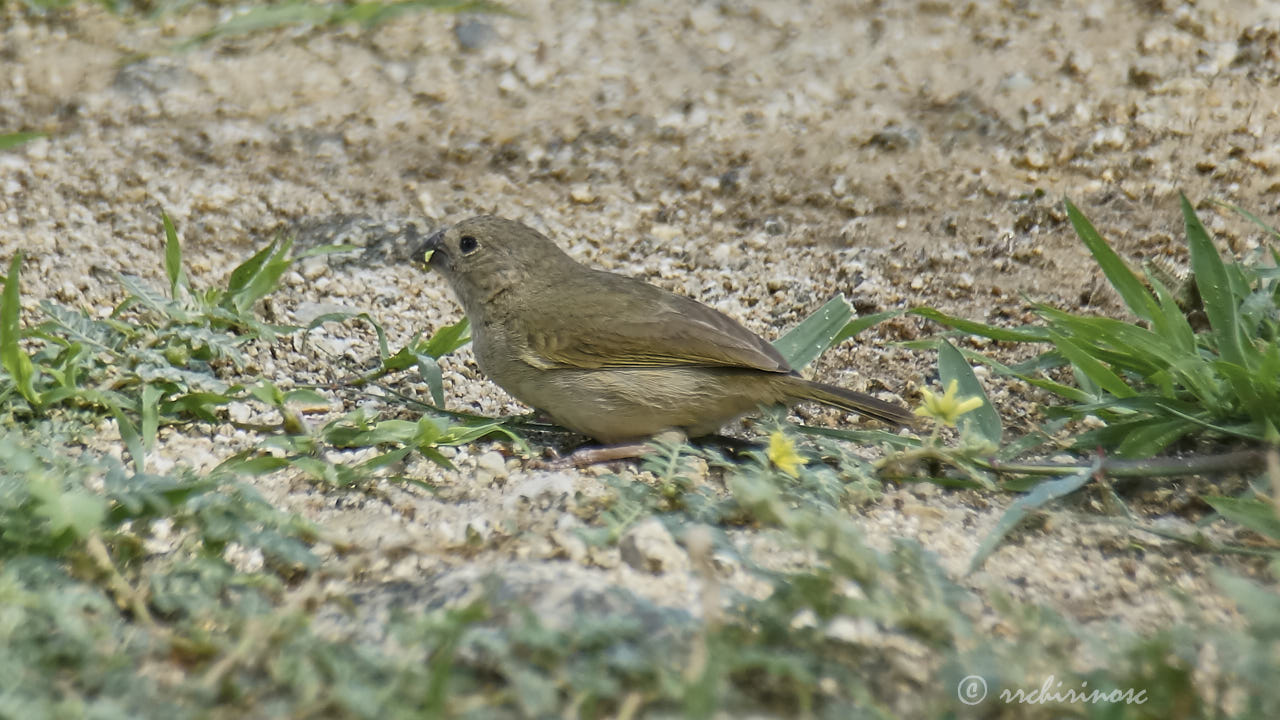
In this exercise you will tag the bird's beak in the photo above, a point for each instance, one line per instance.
(427, 250)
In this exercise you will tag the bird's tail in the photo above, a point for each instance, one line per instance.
(857, 402)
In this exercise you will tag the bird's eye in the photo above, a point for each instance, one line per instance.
(468, 244)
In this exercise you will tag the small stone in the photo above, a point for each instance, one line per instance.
(493, 463)
(648, 547)
(1036, 159)
(473, 34)
(314, 267)
(1079, 62)
(582, 194)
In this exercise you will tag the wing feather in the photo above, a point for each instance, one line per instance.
(658, 329)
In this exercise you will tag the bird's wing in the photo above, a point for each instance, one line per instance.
(655, 329)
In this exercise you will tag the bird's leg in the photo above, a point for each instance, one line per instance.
(621, 451)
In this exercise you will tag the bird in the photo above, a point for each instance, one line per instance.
(610, 356)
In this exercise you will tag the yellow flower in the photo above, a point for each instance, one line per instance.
(946, 408)
(783, 455)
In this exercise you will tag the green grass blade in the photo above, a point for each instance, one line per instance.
(265, 279)
(12, 140)
(1215, 288)
(449, 338)
(1256, 515)
(1269, 229)
(1027, 334)
(15, 360)
(1118, 273)
(952, 366)
(1176, 328)
(1043, 494)
(1057, 388)
(1093, 368)
(857, 325)
(267, 17)
(172, 256)
(1147, 439)
(149, 412)
(244, 273)
(803, 343)
(128, 431)
(429, 371)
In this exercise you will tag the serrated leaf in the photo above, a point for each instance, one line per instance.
(74, 510)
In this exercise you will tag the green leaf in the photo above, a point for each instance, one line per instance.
(1175, 327)
(172, 257)
(388, 431)
(448, 338)
(803, 343)
(857, 325)
(12, 140)
(149, 412)
(1092, 368)
(15, 360)
(305, 396)
(267, 393)
(73, 510)
(1146, 439)
(244, 273)
(1215, 288)
(256, 277)
(1024, 334)
(266, 17)
(429, 370)
(1043, 494)
(1118, 273)
(1260, 605)
(250, 462)
(1119, 343)
(1256, 515)
(1066, 391)
(952, 366)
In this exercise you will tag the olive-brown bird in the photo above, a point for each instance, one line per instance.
(610, 356)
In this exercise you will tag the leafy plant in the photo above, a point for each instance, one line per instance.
(1159, 378)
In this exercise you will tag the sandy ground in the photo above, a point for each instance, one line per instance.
(760, 157)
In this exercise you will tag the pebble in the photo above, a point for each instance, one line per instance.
(493, 463)
(648, 547)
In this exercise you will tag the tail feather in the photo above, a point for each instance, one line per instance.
(852, 401)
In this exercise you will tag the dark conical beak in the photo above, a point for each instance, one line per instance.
(427, 251)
